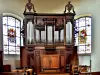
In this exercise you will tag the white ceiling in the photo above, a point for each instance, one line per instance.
(17, 6)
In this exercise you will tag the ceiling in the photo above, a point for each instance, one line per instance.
(49, 6)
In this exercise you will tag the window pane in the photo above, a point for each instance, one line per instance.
(77, 23)
(11, 21)
(12, 43)
(5, 29)
(11, 34)
(81, 22)
(11, 50)
(5, 20)
(5, 49)
(88, 41)
(82, 35)
(88, 21)
(18, 32)
(88, 29)
(17, 50)
(5, 40)
(17, 23)
(17, 41)
(88, 48)
(81, 49)
(76, 41)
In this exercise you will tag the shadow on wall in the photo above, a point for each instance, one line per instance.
(14, 63)
(13, 60)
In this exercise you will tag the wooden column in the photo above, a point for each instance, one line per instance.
(1, 61)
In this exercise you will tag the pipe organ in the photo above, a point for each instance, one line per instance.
(48, 28)
(49, 41)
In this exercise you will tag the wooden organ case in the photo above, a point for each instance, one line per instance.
(1, 61)
(49, 41)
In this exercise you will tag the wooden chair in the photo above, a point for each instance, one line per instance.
(29, 71)
(75, 70)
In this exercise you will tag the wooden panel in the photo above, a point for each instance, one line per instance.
(37, 60)
(1, 61)
(45, 61)
(54, 61)
(95, 73)
(23, 57)
(31, 60)
(62, 60)
(6, 68)
(50, 61)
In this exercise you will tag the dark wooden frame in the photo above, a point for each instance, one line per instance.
(1, 61)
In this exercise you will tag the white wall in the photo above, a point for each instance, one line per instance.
(10, 7)
(1, 31)
(92, 7)
(13, 60)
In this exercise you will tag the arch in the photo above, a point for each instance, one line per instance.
(14, 15)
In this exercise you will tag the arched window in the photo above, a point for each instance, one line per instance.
(11, 35)
(83, 34)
